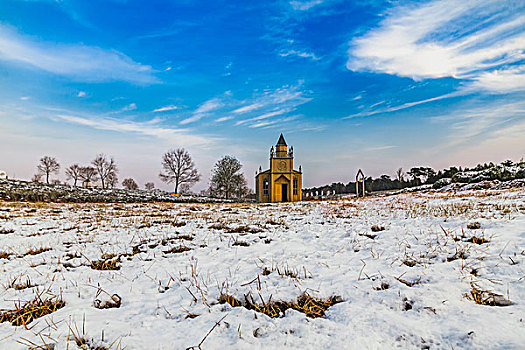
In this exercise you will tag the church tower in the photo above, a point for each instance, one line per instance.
(280, 183)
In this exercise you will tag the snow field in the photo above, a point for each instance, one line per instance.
(406, 286)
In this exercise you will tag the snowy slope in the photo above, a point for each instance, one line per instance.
(326, 248)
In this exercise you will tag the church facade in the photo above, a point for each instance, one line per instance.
(280, 183)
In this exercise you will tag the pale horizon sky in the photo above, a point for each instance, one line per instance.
(369, 84)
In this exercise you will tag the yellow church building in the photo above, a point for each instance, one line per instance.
(280, 183)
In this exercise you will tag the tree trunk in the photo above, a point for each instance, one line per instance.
(47, 178)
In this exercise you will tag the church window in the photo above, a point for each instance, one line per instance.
(295, 185)
(265, 187)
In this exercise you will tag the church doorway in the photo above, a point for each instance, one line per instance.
(284, 192)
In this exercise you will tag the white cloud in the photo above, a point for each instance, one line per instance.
(166, 108)
(81, 94)
(25, 98)
(203, 110)
(469, 122)
(509, 80)
(79, 62)
(297, 53)
(249, 108)
(304, 5)
(445, 38)
(264, 116)
(369, 111)
(272, 103)
(379, 148)
(223, 119)
(130, 107)
(148, 128)
(209, 106)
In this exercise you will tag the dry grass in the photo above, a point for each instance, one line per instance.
(377, 228)
(460, 254)
(383, 286)
(179, 249)
(4, 255)
(478, 240)
(485, 297)
(35, 251)
(18, 285)
(219, 226)
(240, 243)
(410, 262)
(312, 307)
(474, 226)
(106, 263)
(410, 283)
(30, 311)
(243, 229)
(5, 231)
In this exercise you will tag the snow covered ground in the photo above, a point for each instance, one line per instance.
(407, 286)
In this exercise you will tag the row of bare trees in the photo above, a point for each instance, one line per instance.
(102, 168)
(226, 181)
(178, 169)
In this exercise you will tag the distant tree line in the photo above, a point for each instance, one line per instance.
(101, 168)
(417, 176)
(227, 180)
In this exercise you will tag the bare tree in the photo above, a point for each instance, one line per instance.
(48, 165)
(88, 174)
(178, 168)
(130, 184)
(106, 169)
(149, 186)
(37, 178)
(185, 189)
(73, 172)
(112, 179)
(400, 175)
(226, 177)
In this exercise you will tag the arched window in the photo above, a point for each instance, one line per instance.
(266, 185)
(295, 186)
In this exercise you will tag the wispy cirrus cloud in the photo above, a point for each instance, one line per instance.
(204, 110)
(371, 111)
(481, 42)
(166, 108)
(304, 5)
(272, 103)
(298, 53)
(248, 108)
(469, 121)
(154, 127)
(76, 61)
(264, 116)
(148, 128)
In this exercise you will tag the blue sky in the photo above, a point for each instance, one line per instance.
(366, 84)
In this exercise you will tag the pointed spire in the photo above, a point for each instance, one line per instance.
(281, 141)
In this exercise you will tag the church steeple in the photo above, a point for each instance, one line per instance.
(281, 148)
(281, 141)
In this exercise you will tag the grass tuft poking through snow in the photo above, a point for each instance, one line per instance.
(308, 305)
(24, 314)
